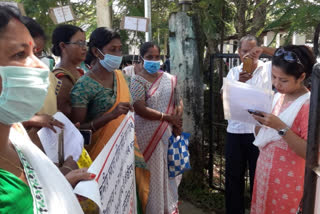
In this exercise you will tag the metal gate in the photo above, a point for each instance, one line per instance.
(220, 64)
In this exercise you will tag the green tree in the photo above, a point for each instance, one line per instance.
(161, 10)
(39, 10)
(296, 16)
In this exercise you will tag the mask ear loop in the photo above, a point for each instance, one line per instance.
(142, 63)
(141, 59)
(100, 53)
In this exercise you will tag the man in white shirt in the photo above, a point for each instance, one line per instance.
(240, 151)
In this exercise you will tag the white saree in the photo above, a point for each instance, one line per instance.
(57, 193)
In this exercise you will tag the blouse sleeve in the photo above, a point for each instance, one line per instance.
(137, 89)
(128, 79)
(301, 121)
(81, 93)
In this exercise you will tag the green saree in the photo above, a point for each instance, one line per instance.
(15, 196)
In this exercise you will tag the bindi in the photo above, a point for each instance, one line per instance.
(30, 43)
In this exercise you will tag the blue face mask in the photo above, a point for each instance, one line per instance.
(151, 66)
(110, 62)
(23, 92)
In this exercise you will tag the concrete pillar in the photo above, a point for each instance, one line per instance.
(298, 39)
(104, 13)
(184, 63)
(278, 40)
(268, 38)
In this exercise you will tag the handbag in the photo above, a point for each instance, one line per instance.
(178, 154)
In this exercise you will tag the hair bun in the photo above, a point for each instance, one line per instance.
(56, 50)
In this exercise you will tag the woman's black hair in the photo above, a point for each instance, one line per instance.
(89, 59)
(62, 33)
(99, 38)
(34, 28)
(295, 69)
(6, 14)
(145, 47)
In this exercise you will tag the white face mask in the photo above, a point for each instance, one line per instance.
(23, 92)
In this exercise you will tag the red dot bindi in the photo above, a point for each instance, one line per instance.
(30, 43)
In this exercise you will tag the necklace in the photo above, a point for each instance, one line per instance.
(8, 161)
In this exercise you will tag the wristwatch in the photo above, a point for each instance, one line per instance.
(283, 132)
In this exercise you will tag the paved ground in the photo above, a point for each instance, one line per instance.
(186, 207)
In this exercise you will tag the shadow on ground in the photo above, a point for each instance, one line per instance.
(186, 207)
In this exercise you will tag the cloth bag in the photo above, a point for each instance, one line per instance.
(178, 154)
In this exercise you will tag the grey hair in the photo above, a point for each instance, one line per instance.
(248, 38)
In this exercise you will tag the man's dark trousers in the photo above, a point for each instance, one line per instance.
(240, 153)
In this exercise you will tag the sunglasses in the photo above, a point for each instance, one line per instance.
(288, 56)
(81, 44)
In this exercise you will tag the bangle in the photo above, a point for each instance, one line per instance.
(66, 167)
(92, 127)
(161, 118)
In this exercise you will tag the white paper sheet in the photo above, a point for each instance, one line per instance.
(63, 14)
(67, 13)
(135, 23)
(238, 97)
(114, 189)
(73, 140)
(142, 23)
(59, 15)
(130, 23)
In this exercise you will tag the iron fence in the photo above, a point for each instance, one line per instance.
(220, 64)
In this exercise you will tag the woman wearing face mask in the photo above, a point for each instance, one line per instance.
(69, 43)
(101, 99)
(278, 185)
(154, 96)
(30, 182)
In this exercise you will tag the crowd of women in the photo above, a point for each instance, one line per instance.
(97, 100)
(100, 98)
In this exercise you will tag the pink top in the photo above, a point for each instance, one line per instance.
(279, 176)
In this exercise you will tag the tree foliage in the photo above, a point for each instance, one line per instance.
(296, 16)
(161, 10)
(39, 10)
(218, 19)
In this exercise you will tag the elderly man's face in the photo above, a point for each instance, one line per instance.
(246, 46)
